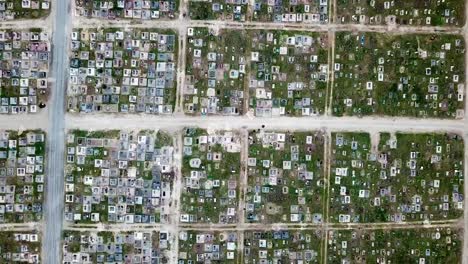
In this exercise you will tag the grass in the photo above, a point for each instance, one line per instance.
(298, 242)
(347, 8)
(158, 100)
(195, 201)
(386, 168)
(73, 243)
(397, 246)
(402, 88)
(35, 197)
(220, 239)
(108, 153)
(9, 245)
(294, 67)
(200, 10)
(290, 188)
(229, 48)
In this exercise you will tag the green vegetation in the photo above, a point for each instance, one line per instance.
(396, 75)
(111, 9)
(22, 161)
(129, 164)
(217, 9)
(286, 176)
(218, 247)
(18, 9)
(130, 245)
(283, 245)
(301, 11)
(419, 12)
(216, 65)
(396, 178)
(14, 243)
(434, 245)
(289, 72)
(117, 70)
(211, 168)
(22, 91)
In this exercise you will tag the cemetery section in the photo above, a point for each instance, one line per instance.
(399, 75)
(118, 176)
(265, 72)
(115, 246)
(286, 175)
(391, 12)
(20, 247)
(291, 246)
(431, 245)
(210, 176)
(122, 9)
(11, 10)
(22, 176)
(25, 56)
(208, 247)
(398, 177)
(122, 71)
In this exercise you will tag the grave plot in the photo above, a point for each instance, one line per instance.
(289, 73)
(123, 70)
(20, 247)
(292, 11)
(396, 177)
(210, 171)
(22, 176)
(208, 247)
(230, 10)
(416, 13)
(285, 177)
(285, 246)
(215, 70)
(115, 247)
(24, 9)
(115, 9)
(432, 245)
(24, 70)
(118, 176)
(399, 75)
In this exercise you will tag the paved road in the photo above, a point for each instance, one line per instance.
(465, 186)
(402, 29)
(265, 226)
(178, 121)
(51, 247)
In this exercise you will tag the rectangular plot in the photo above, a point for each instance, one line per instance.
(22, 159)
(435, 245)
(20, 247)
(291, 11)
(24, 71)
(218, 9)
(211, 169)
(18, 9)
(216, 65)
(208, 247)
(289, 73)
(115, 247)
(284, 246)
(396, 177)
(417, 13)
(285, 181)
(118, 176)
(123, 70)
(141, 10)
(399, 75)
